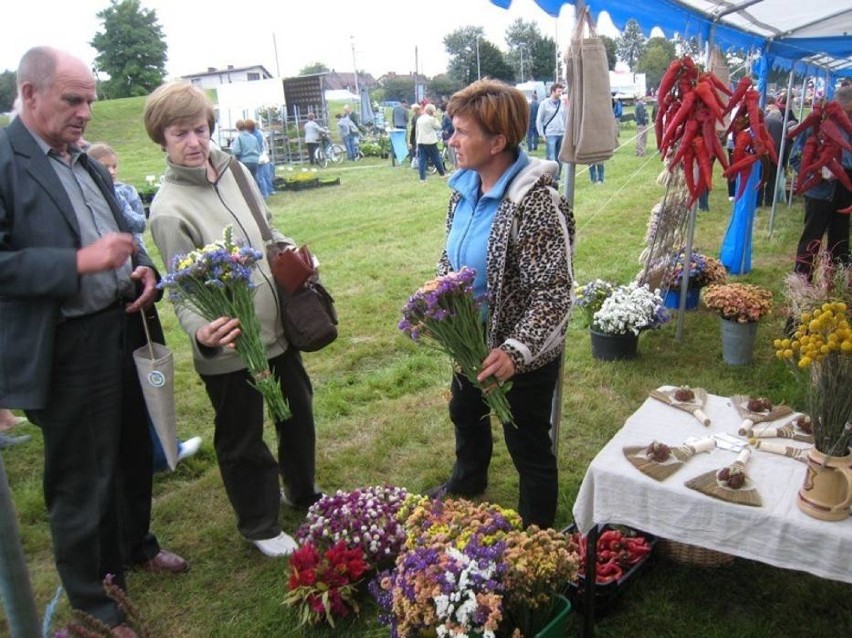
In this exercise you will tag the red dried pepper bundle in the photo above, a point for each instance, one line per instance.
(691, 104)
(752, 141)
(829, 127)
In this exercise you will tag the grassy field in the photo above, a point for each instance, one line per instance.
(381, 412)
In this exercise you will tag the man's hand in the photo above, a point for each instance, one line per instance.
(149, 290)
(222, 332)
(107, 253)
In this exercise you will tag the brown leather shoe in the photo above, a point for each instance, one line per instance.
(165, 562)
(123, 631)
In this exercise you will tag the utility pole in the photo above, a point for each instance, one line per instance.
(275, 47)
(355, 66)
(478, 69)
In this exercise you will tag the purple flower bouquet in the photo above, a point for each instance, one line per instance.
(446, 311)
(215, 281)
(365, 518)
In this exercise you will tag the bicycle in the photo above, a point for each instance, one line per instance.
(328, 152)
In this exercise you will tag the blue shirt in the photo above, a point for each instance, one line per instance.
(467, 242)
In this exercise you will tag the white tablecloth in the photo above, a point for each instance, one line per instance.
(777, 533)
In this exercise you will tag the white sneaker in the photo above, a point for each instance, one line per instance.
(281, 545)
(188, 448)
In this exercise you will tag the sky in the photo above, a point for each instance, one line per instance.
(378, 36)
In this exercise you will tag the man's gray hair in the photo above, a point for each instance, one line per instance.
(38, 67)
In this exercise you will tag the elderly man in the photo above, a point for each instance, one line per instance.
(72, 290)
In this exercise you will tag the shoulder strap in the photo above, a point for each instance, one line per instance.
(558, 106)
(245, 189)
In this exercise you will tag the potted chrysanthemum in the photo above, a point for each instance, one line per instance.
(623, 315)
(740, 307)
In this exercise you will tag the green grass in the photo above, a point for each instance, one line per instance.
(381, 411)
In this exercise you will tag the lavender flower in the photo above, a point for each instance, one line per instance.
(446, 310)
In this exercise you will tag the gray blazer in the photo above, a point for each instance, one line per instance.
(39, 239)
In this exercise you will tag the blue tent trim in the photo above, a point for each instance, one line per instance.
(672, 16)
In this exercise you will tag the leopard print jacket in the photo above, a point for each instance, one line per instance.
(529, 268)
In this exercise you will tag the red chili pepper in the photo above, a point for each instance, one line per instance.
(811, 120)
(836, 113)
(705, 165)
(608, 573)
(830, 129)
(682, 113)
(707, 95)
(742, 86)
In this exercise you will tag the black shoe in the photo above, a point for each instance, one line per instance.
(443, 490)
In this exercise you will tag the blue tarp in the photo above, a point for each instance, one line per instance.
(735, 253)
(399, 144)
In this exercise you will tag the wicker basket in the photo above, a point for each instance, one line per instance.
(693, 555)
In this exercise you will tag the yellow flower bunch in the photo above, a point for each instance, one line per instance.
(820, 332)
(820, 352)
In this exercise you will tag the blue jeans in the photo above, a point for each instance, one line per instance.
(532, 140)
(554, 145)
(351, 142)
(596, 172)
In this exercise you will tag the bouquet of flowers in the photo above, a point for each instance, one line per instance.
(323, 584)
(445, 310)
(703, 271)
(630, 308)
(457, 592)
(819, 352)
(365, 518)
(470, 569)
(455, 521)
(743, 303)
(539, 564)
(590, 297)
(214, 282)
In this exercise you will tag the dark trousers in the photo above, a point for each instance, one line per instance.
(249, 470)
(528, 441)
(821, 218)
(312, 151)
(95, 459)
(428, 153)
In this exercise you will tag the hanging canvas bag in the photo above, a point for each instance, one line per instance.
(306, 308)
(156, 371)
(590, 133)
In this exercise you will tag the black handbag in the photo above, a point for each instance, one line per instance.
(306, 307)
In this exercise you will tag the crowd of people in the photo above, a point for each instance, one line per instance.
(79, 280)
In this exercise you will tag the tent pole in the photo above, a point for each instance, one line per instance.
(569, 185)
(781, 172)
(15, 590)
(801, 115)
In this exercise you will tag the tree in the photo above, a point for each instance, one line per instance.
(8, 90)
(530, 55)
(472, 56)
(398, 87)
(654, 61)
(611, 55)
(131, 49)
(313, 69)
(442, 86)
(630, 44)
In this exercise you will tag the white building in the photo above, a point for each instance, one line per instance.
(212, 77)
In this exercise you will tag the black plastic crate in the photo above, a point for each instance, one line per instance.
(606, 595)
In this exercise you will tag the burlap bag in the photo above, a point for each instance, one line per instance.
(590, 134)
